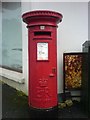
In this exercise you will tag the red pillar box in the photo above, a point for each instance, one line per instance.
(42, 48)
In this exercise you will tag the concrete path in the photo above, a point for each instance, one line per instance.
(15, 105)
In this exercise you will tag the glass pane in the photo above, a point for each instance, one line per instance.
(11, 35)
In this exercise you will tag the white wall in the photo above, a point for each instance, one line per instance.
(25, 8)
(72, 31)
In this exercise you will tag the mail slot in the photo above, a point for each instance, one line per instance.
(42, 53)
(42, 33)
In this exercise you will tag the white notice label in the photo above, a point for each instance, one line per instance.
(42, 51)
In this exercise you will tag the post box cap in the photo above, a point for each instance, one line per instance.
(42, 14)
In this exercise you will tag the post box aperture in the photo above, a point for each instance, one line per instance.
(41, 33)
(42, 56)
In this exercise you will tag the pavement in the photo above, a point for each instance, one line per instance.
(15, 106)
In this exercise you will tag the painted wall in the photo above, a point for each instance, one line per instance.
(72, 31)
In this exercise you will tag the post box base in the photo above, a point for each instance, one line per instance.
(43, 113)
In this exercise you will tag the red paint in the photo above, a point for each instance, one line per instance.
(42, 73)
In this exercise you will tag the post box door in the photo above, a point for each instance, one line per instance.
(42, 72)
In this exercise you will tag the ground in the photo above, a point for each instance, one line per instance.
(15, 105)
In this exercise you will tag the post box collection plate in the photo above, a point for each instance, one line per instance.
(42, 51)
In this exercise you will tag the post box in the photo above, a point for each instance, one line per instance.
(42, 53)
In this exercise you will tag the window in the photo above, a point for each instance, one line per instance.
(11, 36)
